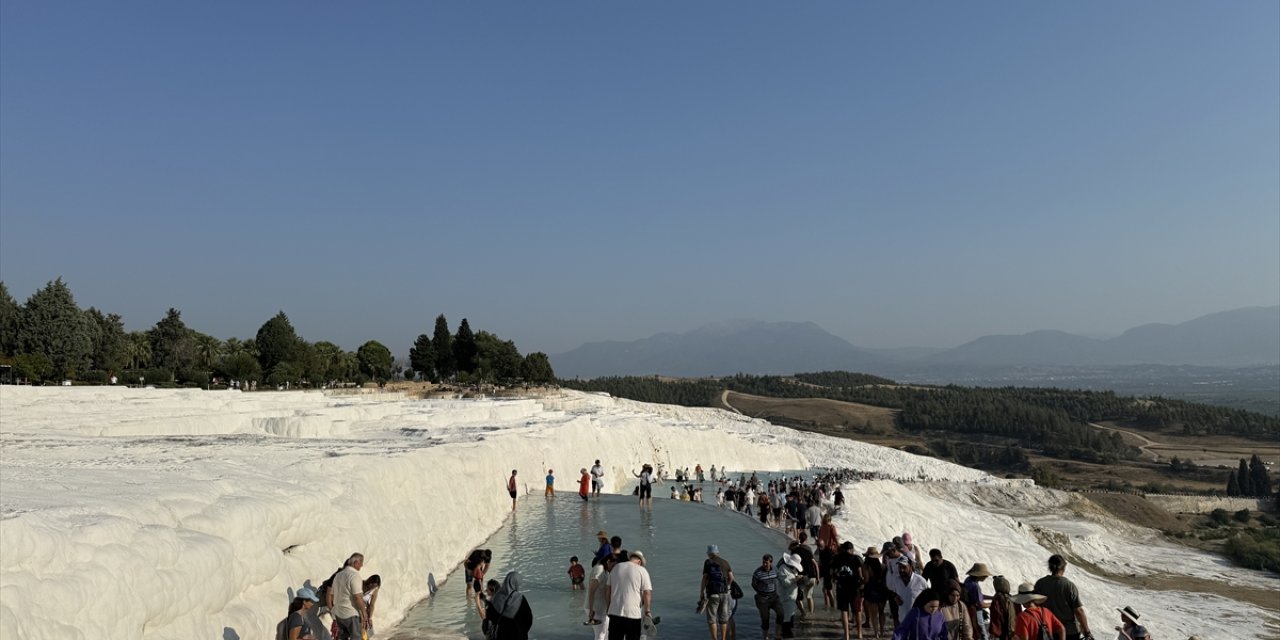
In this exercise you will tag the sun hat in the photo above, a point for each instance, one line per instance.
(792, 560)
(979, 570)
(602, 534)
(711, 548)
(637, 554)
(307, 593)
(872, 553)
(1027, 593)
(1129, 613)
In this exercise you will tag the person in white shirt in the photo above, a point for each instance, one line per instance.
(349, 607)
(629, 594)
(597, 478)
(905, 586)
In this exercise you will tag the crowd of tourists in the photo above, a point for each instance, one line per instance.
(345, 599)
(896, 590)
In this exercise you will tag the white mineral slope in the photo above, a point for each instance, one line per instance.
(164, 514)
(158, 514)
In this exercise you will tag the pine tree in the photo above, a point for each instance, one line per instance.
(277, 343)
(10, 319)
(173, 345)
(53, 326)
(1233, 484)
(465, 349)
(422, 357)
(1261, 479)
(442, 344)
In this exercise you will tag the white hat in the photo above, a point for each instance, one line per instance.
(1027, 593)
(792, 560)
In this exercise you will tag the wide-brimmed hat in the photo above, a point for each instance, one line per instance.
(1129, 613)
(1027, 593)
(979, 570)
(872, 553)
(792, 560)
(602, 534)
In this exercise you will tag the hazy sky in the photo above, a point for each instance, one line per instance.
(899, 173)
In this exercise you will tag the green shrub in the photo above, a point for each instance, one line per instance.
(1241, 516)
(1219, 516)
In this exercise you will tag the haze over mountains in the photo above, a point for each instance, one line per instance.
(1237, 338)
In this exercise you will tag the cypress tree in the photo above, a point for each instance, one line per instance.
(1233, 485)
(442, 344)
(1245, 480)
(10, 314)
(277, 343)
(465, 349)
(1261, 479)
(422, 357)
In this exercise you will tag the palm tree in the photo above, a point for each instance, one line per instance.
(139, 349)
(208, 348)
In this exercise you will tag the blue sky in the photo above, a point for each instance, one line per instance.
(899, 173)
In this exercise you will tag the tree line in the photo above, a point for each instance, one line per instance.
(1052, 421)
(1250, 480)
(49, 338)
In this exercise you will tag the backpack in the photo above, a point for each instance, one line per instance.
(735, 591)
(715, 578)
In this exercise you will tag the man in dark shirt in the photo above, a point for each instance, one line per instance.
(849, 578)
(939, 572)
(1064, 599)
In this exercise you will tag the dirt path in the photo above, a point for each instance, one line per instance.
(724, 400)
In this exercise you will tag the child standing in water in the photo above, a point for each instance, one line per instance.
(576, 573)
(551, 484)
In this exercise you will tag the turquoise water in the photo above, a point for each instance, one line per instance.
(542, 534)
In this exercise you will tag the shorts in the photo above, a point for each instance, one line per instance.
(621, 628)
(846, 601)
(577, 580)
(718, 608)
(596, 485)
(513, 494)
(646, 491)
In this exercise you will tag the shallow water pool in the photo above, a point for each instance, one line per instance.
(542, 534)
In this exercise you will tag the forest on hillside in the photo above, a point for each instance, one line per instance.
(1051, 421)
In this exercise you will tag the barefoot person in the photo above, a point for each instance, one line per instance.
(511, 489)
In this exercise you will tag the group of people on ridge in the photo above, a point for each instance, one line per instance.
(345, 597)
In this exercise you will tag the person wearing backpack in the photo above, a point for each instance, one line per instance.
(1036, 622)
(1004, 611)
(713, 595)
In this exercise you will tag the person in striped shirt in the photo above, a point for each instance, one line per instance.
(765, 583)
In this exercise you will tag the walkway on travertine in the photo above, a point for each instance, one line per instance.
(824, 624)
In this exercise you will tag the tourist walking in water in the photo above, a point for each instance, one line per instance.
(923, 621)
(765, 583)
(646, 485)
(515, 618)
(551, 484)
(1062, 598)
(584, 484)
(597, 478)
(875, 592)
(511, 489)
(1034, 616)
(713, 592)
(597, 603)
(850, 582)
(789, 590)
(630, 596)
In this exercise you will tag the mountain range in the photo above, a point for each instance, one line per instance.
(1236, 338)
